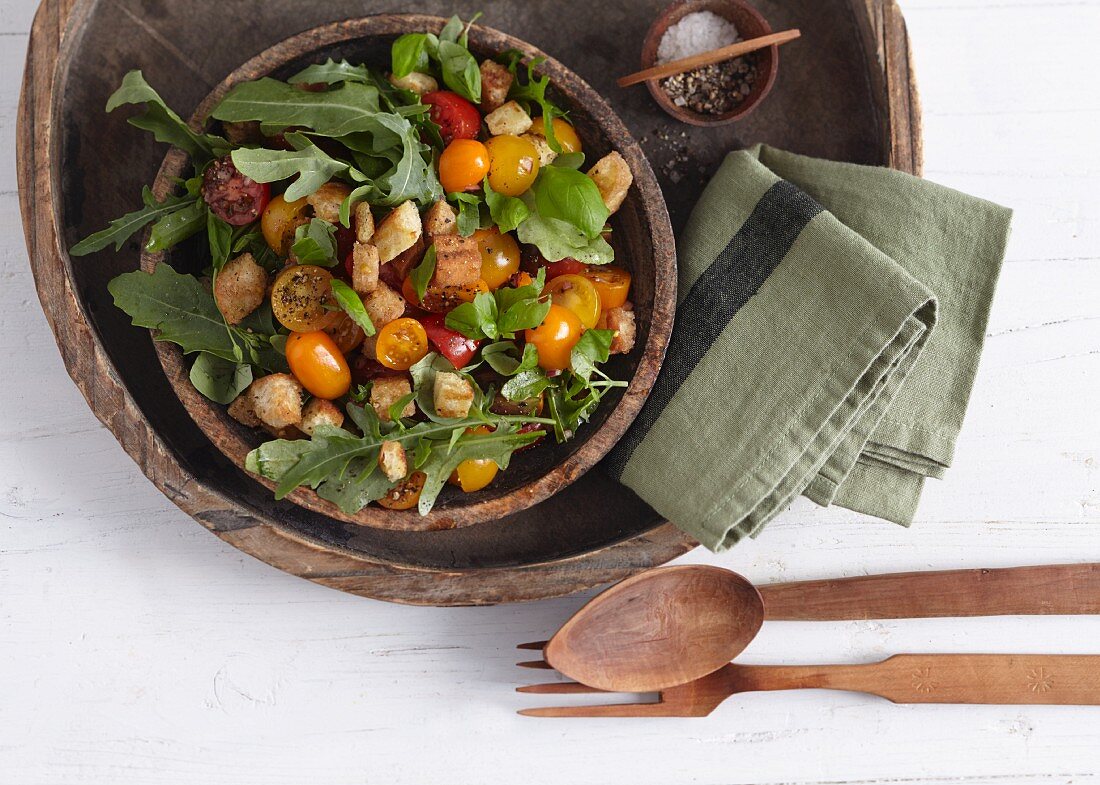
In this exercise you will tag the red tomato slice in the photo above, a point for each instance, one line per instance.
(531, 260)
(236, 199)
(455, 346)
(456, 117)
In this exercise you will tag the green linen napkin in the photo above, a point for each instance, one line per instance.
(828, 331)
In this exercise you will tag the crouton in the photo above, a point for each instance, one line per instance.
(368, 348)
(613, 178)
(345, 333)
(508, 119)
(622, 321)
(457, 261)
(415, 82)
(327, 199)
(496, 81)
(409, 258)
(364, 268)
(440, 220)
(240, 288)
(398, 231)
(277, 400)
(363, 222)
(453, 395)
(383, 305)
(388, 390)
(320, 412)
(392, 461)
(243, 410)
(546, 153)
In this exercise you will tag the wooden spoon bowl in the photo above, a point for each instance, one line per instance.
(642, 239)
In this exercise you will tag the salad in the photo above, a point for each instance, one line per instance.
(409, 277)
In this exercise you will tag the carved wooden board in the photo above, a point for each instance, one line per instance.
(845, 91)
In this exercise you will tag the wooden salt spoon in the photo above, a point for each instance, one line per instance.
(673, 625)
(707, 58)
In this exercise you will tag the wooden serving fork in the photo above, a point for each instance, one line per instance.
(905, 678)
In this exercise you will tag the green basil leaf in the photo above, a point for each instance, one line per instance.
(524, 315)
(460, 70)
(315, 243)
(525, 384)
(570, 160)
(452, 30)
(348, 299)
(593, 348)
(332, 72)
(409, 53)
(219, 380)
(507, 212)
(477, 319)
(469, 214)
(421, 275)
(559, 240)
(571, 196)
(177, 226)
(166, 125)
(501, 357)
(220, 236)
(122, 229)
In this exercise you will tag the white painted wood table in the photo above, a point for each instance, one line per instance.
(137, 648)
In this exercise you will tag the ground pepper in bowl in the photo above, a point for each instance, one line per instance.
(714, 89)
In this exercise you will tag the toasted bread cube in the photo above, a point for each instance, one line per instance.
(383, 305)
(441, 219)
(363, 221)
(496, 81)
(613, 178)
(415, 82)
(398, 231)
(277, 400)
(392, 461)
(243, 410)
(457, 261)
(409, 258)
(622, 321)
(508, 119)
(388, 390)
(327, 199)
(364, 268)
(320, 412)
(453, 395)
(368, 348)
(546, 153)
(240, 288)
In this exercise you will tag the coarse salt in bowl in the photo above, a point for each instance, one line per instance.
(696, 33)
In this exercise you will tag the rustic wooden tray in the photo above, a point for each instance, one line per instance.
(844, 91)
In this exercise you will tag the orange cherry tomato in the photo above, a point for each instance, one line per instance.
(579, 295)
(406, 494)
(318, 364)
(463, 164)
(279, 221)
(301, 298)
(476, 473)
(513, 164)
(401, 344)
(613, 284)
(555, 337)
(563, 132)
(499, 256)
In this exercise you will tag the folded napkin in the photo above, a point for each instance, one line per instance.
(829, 326)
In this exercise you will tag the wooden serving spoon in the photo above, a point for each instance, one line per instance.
(672, 625)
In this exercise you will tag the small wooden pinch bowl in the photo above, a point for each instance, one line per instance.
(749, 23)
(642, 239)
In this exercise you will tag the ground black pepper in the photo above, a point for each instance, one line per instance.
(714, 89)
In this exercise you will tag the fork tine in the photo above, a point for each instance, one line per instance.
(533, 645)
(559, 688)
(611, 710)
(537, 664)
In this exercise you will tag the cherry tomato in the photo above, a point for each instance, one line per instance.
(555, 338)
(464, 164)
(579, 295)
(345, 244)
(401, 344)
(406, 494)
(513, 164)
(456, 117)
(280, 220)
(613, 284)
(300, 296)
(531, 261)
(453, 345)
(476, 473)
(499, 256)
(235, 198)
(318, 364)
(346, 333)
(563, 132)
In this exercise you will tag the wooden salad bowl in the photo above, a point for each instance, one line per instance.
(641, 236)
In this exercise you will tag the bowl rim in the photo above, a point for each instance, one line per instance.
(215, 423)
(673, 13)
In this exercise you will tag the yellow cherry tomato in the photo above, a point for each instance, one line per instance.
(401, 344)
(555, 337)
(318, 364)
(300, 297)
(613, 284)
(563, 132)
(579, 295)
(279, 221)
(463, 164)
(513, 164)
(499, 256)
(474, 474)
(406, 494)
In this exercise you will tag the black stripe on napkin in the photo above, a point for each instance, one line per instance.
(734, 277)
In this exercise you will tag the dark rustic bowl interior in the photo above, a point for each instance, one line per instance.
(105, 162)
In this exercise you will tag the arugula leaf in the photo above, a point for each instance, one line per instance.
(501, 357)
(348, 299)
(330, 73)
(421, 275)
(497, 446)
(315, 243)
(525, 384)
(275, 458)
(409, 53)
(460, 70)
(344, 110)
(220, 236)
(571, 196)
(534, 92)
(122, 229)
(507, 212)
(362, 484)
(560, 240)
(166, 125)
(413, 176)
(174, 228)
(469, 214)
(313, 166)
(594, 347)
(219, 380)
